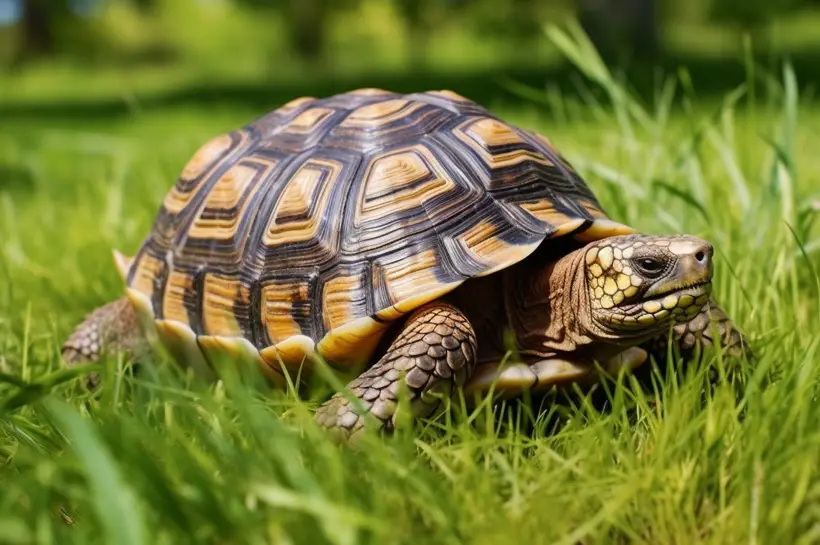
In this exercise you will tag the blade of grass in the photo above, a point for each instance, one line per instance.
(115, 505)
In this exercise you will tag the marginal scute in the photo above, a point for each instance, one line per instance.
(220, 294)
(173, 301)
(180, 341)
(216, 346)
(219, 350)
(123, 263)
(339, 301)
(352, 344)
(603, 228)
(147, 269)
(628, 360)
(292, 353)
(514, 377)
(278, 302)
(144, 311)
(556, 371)
(399, 309)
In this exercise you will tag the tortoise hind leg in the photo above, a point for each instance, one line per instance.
(434, 351)
(111, 328)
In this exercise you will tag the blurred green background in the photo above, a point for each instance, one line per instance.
(87, 57)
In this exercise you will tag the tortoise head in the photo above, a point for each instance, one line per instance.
(639, 284)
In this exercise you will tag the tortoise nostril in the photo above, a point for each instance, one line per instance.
(700, 256)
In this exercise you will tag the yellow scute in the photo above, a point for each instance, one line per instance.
(352, 344)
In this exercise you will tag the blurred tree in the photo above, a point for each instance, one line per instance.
(753, 16)
(622, 29)
(417, 15)
(422, 18)
(515, 22)
(40, 17)
(308, 28)
(307, 22)
(146, 5)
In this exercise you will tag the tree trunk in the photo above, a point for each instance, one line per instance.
(307, 30)
(38, 32)
(414, 13)
(621, 28)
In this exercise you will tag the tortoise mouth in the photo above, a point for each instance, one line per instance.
(679, 304)
(694, 290)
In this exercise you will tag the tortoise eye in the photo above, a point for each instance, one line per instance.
(650, 266)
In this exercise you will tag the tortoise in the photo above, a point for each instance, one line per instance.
(408, 238)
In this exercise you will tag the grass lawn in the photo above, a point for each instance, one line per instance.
(164, 458)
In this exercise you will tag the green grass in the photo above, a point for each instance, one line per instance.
(164, 458)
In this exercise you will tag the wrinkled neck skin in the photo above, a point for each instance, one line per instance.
(550, 312)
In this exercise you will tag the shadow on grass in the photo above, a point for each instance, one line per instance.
(710, 77)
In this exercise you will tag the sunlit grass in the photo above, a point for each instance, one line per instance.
(164, 458)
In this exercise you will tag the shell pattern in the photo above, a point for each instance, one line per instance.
(316, 225)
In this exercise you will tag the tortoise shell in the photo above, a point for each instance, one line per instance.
(311, 229)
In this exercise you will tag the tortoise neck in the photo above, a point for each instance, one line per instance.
(548, 308)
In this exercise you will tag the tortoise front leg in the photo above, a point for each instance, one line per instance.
(706, 329)
(112, 328)
(434, 351)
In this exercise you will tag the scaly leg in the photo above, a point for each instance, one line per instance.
(435, 351)
(112, 328)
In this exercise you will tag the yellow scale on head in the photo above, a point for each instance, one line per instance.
(613, 281)
(612, 278)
